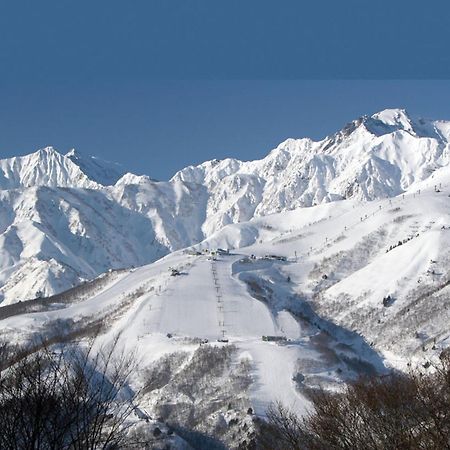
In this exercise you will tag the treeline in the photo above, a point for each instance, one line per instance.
(396, 412)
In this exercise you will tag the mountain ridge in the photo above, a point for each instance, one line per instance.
(56, 207)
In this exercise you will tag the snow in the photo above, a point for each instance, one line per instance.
(335, 209)
(274, 367)
(46, 167)
(70, 198)
(103, 172)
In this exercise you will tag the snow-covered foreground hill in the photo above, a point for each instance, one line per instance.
(363, 289)
(68, 218)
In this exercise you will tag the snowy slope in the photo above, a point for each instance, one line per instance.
(209, 300)
(54, 238)
(364, 287)
(103, 172)
(326, 299)
(345, 259)
(52, 202)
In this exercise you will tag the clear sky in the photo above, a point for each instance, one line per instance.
(154, 84)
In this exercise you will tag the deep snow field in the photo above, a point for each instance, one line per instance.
(325, 301)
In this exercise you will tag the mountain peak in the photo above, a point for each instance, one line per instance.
(48, 167)
(389, 121)
(394, 117)
(49, 150)
(45, 167)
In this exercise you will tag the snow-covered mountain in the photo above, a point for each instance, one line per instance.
(338, 290)
(65, 218)
(339, 257)
(47, 167)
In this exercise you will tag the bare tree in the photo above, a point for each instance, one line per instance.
(380, 413)
(64, 398)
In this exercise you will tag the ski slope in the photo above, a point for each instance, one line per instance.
(194, 305)
(315, 277)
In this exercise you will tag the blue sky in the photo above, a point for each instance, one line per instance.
(154, 84)
(85, 40)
